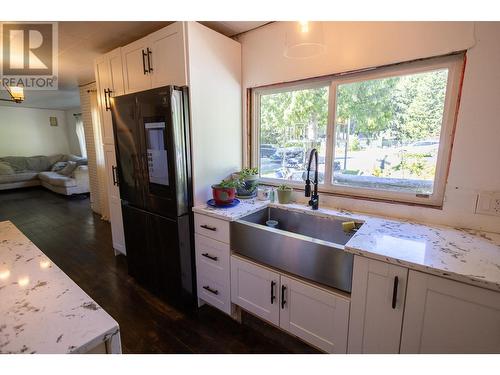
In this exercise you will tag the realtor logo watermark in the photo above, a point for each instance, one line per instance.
(29, 55)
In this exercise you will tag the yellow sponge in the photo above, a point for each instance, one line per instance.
(347, 226)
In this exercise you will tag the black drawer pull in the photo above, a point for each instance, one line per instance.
(283, 302)
(273, 297)
(395, 292)
(205, 226)
(206, 255)
(214, 291)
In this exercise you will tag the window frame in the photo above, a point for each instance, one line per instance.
(455, 64)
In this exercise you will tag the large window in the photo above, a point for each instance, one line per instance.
(384, 133)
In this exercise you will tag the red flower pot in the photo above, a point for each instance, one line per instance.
(223, 196)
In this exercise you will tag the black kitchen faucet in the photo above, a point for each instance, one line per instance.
(314, 201)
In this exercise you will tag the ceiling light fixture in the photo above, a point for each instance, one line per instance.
(304, 40)
(16, 94)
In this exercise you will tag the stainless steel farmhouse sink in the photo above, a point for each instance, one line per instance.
(302, 244)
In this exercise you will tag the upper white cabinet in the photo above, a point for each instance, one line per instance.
(109, 79)
(445, 316)
(155, 60)
(167, 57)
(377, 305)
(135, 66)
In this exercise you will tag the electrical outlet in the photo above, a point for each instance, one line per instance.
(488, 203)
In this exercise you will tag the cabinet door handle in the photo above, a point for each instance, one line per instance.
(144, 54)
(395, 292)
(283, 302)
(150, 53)
(273, 297)
(115, 175)
(206, 255)
(107, 99)
(205, 226)
(214, 291)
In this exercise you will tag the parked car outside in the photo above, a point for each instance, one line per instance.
(266, 150)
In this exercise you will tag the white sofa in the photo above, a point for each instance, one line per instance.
(77, 183)
(36, 170)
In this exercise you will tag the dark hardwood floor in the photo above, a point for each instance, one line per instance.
(79, 242)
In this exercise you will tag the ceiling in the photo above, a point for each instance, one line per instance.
(81, 42)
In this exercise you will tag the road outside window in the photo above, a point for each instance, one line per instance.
(388, 131)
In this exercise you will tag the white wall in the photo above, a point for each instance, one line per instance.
(353, 45)
(215, 93)
(73, 144)
(27, 132)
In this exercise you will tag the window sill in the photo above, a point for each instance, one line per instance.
(297, 187)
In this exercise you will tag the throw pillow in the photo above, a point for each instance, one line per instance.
(58, 166)
(80, 160)
(68, 169)
(5, 168)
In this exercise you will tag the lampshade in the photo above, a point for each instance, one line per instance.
(17, 93)
(304, 40)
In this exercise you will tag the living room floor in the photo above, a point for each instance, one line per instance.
(79, 242)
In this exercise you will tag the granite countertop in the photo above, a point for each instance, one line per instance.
(464, 255)
(42, 310)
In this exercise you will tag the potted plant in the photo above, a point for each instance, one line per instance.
(248, 179)
(284, 194)
(224, 192)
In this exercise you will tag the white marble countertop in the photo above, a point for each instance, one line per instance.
(469, 256)
(41, 309)
(245, 207)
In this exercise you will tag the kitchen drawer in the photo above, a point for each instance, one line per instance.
(214, 290)
(211, 227)
(211, 255)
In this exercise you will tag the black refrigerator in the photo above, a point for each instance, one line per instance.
(152, 142)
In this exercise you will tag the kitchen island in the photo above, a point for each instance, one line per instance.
(41, 309)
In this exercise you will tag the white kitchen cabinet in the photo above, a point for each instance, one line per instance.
(212, 270)
(109, 79)
(115, 209)
(312, 313)
(316, 315)
(156, 60)
(167, 57)
(255, 289)
(109, 82)
(135, 66)
(212, 227)
(213, 288)
(377, 305)
(445, 316)
(213, 262)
